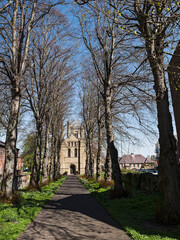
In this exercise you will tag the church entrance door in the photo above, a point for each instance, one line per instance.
(72, 169)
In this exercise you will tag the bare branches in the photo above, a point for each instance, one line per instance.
(5, 6)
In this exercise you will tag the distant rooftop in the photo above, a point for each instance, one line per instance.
(132, 158)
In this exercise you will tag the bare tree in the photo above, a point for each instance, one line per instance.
(100, 123)
(63, 94)
(87, 96)
(15, 34)
(16, 27)
(45, 86)
(103, 37)
(156, 21)
(111, 54)
(157, 24)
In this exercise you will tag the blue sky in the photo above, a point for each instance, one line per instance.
(145, 147)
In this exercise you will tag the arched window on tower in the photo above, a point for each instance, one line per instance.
(75, 152)
(69, 152)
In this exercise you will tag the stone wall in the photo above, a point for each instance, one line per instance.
(2, 160)
(22, 181)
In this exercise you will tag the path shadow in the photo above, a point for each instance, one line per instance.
(73, 197)
(82, 203)
(73, 213)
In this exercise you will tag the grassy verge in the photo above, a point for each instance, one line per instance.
(15, 218)
(135, 214)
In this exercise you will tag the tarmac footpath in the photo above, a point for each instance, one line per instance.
(73, 214)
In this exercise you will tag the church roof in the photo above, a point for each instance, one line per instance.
(76, 123)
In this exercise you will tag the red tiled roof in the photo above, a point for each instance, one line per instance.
(132, 158)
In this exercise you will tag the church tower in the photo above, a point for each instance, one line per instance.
(73, 155)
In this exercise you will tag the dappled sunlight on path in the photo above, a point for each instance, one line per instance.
(73, 213)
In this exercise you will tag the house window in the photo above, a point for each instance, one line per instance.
(75, 144)
(75, 152)
(72, 144)
(134, 165)
(68, 144)
(69, 152)
(76, 134)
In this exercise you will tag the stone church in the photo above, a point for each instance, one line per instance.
(73, 155)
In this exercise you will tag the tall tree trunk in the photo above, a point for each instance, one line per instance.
(98, 162)
(87, 168)
(174, 79)
(107, 175)
(56, 147)
(99, 121)
(116, 172)
(55, 163)
(46, 155)
(35, 178)
(9, 172)
(58, 156)
(60, 140)
(168, 168)
(51, 169)
(91, 158)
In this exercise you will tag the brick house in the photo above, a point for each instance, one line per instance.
(137, 161)
(2, 159)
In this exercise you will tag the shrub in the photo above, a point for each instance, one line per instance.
(33, 187)
(96, 185)
(15, 199)
(105, 184)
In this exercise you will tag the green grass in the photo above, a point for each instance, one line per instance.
(15, 218)
(135, 214)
